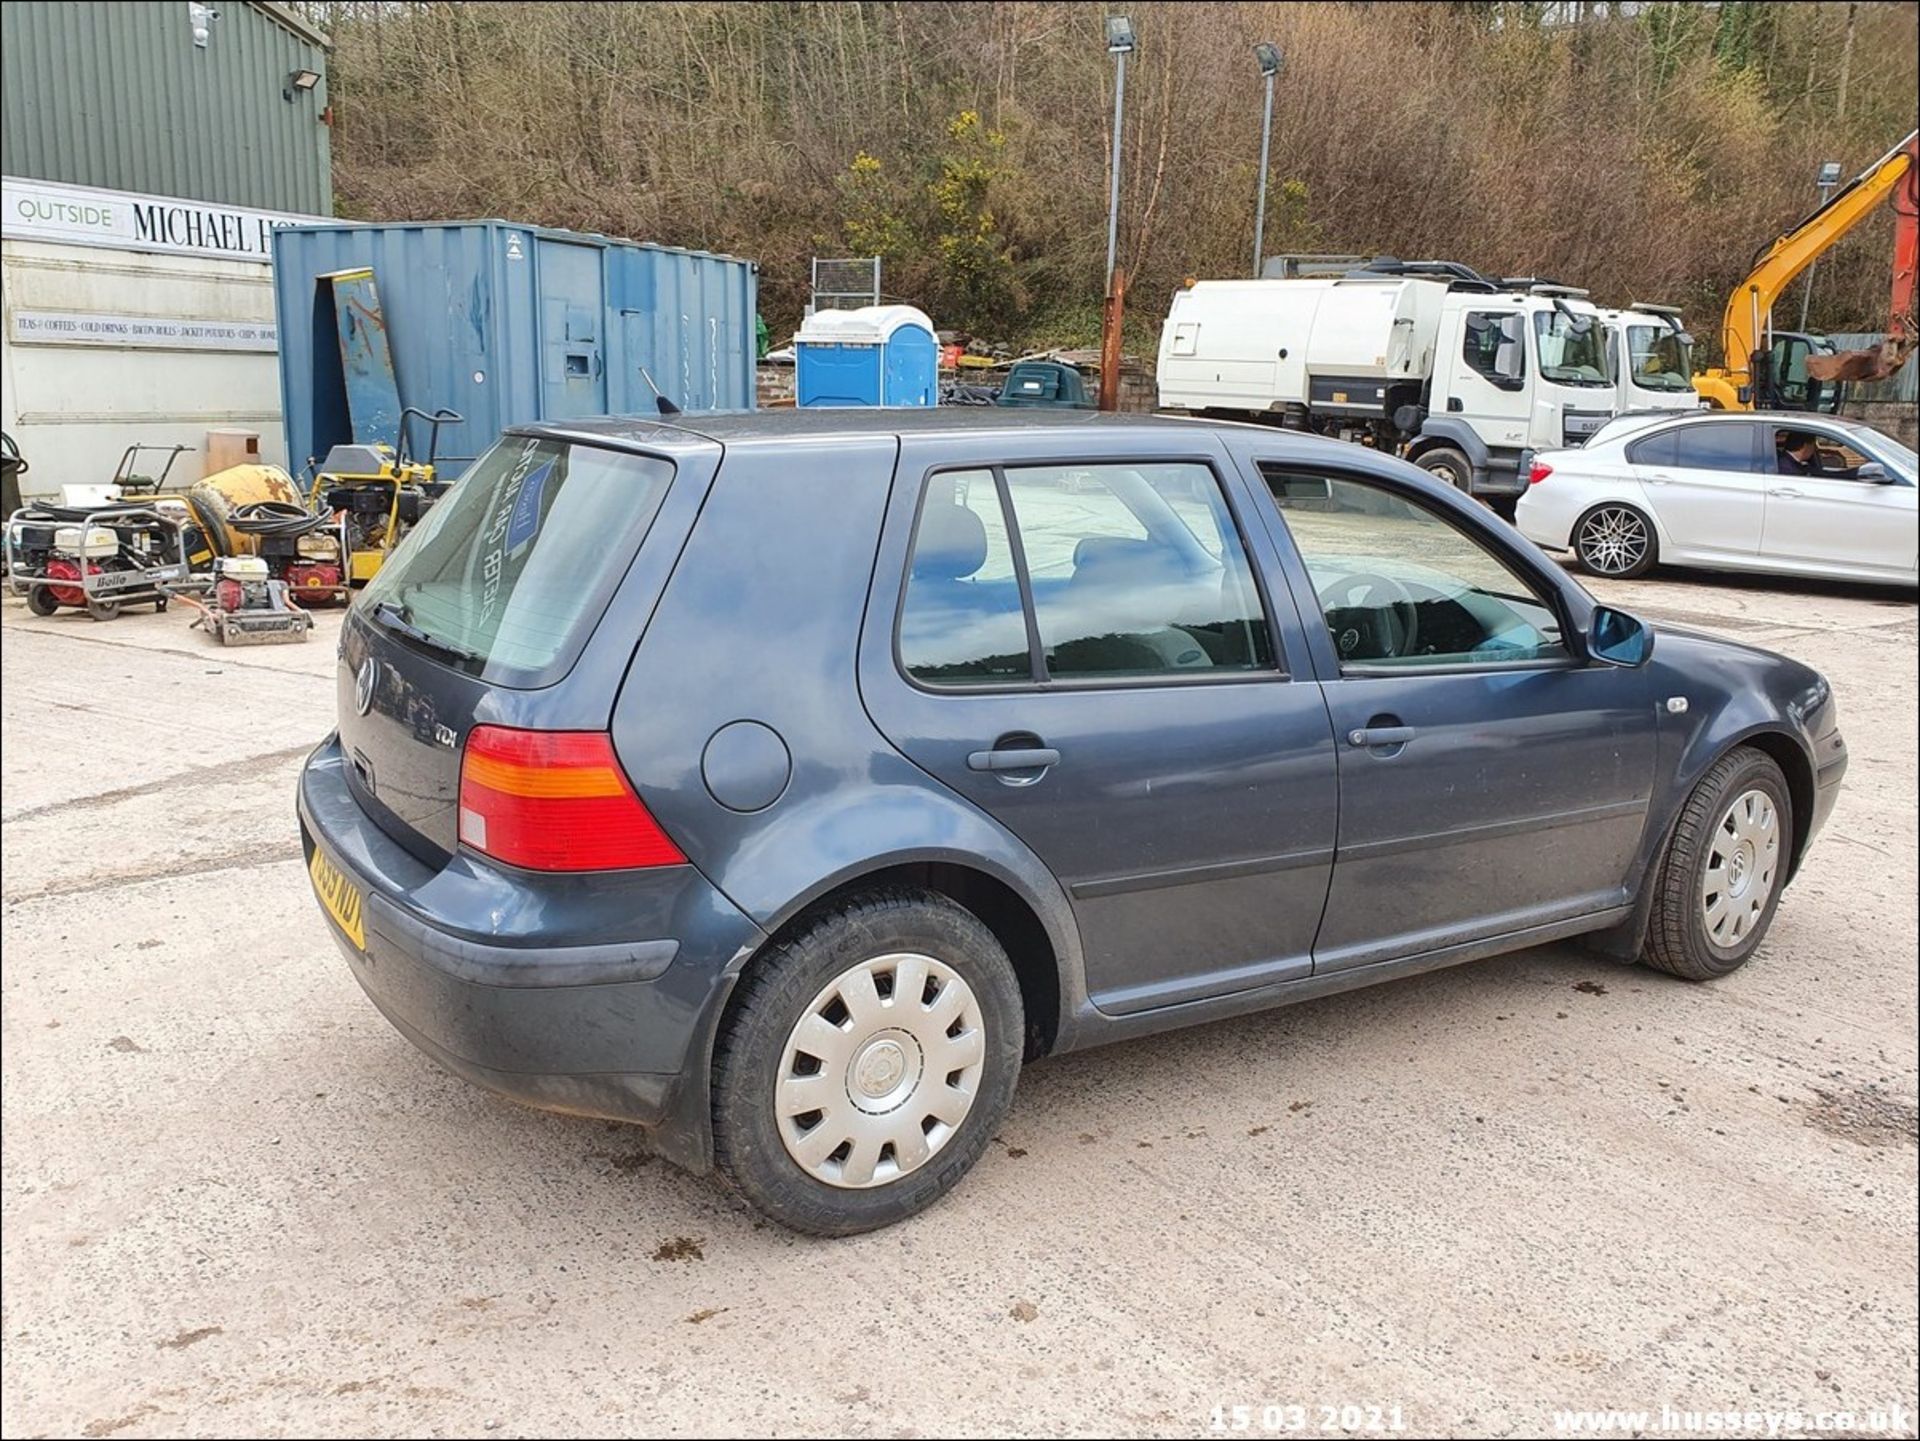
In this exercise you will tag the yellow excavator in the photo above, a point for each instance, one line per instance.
(1768, 369)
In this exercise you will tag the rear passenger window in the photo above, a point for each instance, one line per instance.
(962, 623)
(1131, 571)
(1724, 445)
(1136, 570)
(1654, 450)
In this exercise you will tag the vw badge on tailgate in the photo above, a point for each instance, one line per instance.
(363, 685)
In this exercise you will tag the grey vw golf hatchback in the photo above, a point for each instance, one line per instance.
(783, 782)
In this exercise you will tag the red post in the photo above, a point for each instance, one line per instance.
(1115, 312)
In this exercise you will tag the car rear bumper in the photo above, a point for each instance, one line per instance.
(594, 994)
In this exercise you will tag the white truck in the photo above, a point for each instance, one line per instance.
(1462, 373)
(1653, 358)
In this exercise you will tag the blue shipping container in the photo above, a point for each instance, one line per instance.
(511, 323)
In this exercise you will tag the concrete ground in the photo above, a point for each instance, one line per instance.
(235, 1201)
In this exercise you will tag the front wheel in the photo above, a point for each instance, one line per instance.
(1719, 882)
(1452, 466)
(40, 600)
(103, 609)
(1615, 541)
(867, 1063)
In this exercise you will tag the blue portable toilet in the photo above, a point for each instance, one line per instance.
(877, 355)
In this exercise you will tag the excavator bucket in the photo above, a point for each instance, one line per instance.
(1862, 367)
(1865, 366)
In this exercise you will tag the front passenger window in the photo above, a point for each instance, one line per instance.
(1400, 586)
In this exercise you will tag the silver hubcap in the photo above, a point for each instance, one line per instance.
(1613, 540)
(880, 1070)
(1742, 860)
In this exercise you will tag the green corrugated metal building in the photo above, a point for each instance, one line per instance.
(168, 97)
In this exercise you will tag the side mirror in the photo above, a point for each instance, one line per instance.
(1616, 638)
(1873, 471)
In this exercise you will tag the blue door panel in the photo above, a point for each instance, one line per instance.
(573, 367)
(1519, 800)
(1192, 825)
(366, 358)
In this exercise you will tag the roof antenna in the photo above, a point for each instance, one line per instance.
(667, 407)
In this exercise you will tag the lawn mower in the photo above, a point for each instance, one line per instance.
(378, 493)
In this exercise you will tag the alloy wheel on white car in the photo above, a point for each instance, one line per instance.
(1614, 540)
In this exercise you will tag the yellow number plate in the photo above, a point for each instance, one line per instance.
(339, 895)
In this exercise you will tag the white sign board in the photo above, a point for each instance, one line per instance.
(79, 215)
(153, 332)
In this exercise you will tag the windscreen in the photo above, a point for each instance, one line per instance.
(1573, 349)
(506, 575)
(1661, 360)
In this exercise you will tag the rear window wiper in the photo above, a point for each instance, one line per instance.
(394, 618)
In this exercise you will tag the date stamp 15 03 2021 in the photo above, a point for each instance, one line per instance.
(1320, 1418)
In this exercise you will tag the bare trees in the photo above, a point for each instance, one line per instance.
(1642, 150)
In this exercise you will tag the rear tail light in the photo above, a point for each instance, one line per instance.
(1539, 473)
(555, 801)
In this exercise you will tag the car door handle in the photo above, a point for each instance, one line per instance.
(1786, 492)
(1368, 737)
(1025, 758)
(1659, 480)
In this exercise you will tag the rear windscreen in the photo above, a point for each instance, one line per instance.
(507, 573)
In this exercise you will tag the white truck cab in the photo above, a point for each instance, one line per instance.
(1653, 359)
(1461, 373)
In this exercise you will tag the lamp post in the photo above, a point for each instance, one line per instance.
(1120, 44)
(1269, 57)
(1829, 180)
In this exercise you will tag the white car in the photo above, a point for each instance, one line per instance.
(1726, 491)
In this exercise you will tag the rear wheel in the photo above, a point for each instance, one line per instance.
(103, 609)
(1720, 879)
(867, 1063)
(1615, 541)
(1450, 465)
(40, 600)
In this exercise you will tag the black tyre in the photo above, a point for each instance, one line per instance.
(1450, 465)
(866, 1063)
(1616, 541)
(40, 600)
(1719, 882)
(103, 609)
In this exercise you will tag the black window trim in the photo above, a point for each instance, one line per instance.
(1023, 579)
(1523, 570)
(1039, 681)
